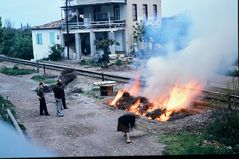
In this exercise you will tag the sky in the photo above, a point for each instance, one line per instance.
(37, 12)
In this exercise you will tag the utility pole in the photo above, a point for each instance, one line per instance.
(67, 31)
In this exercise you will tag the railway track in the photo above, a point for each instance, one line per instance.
(232, 100)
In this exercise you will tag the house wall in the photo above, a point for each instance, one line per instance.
(42, 50)
(130, 22)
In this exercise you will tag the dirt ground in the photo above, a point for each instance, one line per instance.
(89, 126)
(87, 129)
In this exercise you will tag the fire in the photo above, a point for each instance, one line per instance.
(117, 97)
(134, 108)
(173, 100)
(134, 90)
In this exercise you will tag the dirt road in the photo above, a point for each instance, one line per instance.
(87, 129)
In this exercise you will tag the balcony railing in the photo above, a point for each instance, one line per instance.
(95, 24)
(94, 2)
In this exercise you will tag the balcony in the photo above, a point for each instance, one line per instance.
(95, 24)
(94, 2)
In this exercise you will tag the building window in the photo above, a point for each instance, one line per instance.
(155, 12)
(97, 12)
(134, 12)
(116, 12)
(145, 12)
(39, 39)
(52, 38)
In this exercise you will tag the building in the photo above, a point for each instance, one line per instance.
(90, 20)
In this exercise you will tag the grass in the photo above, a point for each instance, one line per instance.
(190, 144)
(4, 105)
(219, 136)
(15, 71)
(40, 78)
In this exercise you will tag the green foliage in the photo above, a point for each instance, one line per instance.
(23, 45)
(118, 62)
(104, 44)
(15, 71)
(138, 32)
(55, 53)
(225, 127)
(15, 42)
(4, 105)
(90, 62)
(190, 144)
(233, 73)
(40, 78)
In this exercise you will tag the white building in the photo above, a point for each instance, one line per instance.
(45, 36)
(91, 20)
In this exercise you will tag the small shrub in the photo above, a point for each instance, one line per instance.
(40, 78)
(118, 62)
(15, 71)
(225, 127)
(67, 76)
(90, 62)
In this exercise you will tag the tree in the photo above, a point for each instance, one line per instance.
(104, 45)
(56, 51)
(23, 45)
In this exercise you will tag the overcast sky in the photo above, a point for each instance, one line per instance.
(37, 12)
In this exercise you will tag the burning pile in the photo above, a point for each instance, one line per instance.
(173, 104)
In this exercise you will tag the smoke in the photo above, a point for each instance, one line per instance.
(210, 43)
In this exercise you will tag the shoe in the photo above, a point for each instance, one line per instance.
(60, 115)
(124, 135)
(128, 142)
(47, 114)
(41, 114)
(61, 108)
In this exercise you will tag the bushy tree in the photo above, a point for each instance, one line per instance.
(23, 45)
(14, 42)
(56, 51)
(104, 45)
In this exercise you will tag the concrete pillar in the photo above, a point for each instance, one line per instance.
(92, 43)
(111, 35)
(78, 46)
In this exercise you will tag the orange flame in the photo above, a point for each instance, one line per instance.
(134, 107)
(117, 97)
(135, 88)
(173, 100)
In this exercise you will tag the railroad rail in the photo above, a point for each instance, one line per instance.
(232, 100)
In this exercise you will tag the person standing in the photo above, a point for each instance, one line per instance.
(125, 123)
(41, 97)
(63, 96)
(58, 97)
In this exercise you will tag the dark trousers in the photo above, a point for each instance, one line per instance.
(64, 102)
(43, 108)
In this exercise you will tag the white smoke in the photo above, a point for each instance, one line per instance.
(214, 46)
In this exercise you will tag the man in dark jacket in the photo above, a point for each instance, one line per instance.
(63, 96)
(58, 96)
(125, 123)
(41, 97)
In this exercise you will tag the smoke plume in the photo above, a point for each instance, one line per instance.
(209, 43)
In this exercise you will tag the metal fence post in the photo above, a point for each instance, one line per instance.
(103, 78)
(44, 68)
(229, 102)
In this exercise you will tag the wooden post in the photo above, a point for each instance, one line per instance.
(103, 78)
